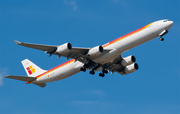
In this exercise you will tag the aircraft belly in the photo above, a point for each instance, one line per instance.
(107, 57)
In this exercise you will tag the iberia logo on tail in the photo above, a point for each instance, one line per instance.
(30, 70)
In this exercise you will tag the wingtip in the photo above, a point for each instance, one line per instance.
(17, 42)
(6, 76)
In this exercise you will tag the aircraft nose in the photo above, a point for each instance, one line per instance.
(170, 24)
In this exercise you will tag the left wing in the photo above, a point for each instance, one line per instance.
(77, 53)
(49, 48)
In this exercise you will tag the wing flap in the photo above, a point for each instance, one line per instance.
(21, 78)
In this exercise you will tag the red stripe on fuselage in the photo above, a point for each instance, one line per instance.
(129, 34)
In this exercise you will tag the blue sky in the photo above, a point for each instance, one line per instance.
(153, 89)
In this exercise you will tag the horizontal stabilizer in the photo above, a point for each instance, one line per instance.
(40, 84)
(22, 78)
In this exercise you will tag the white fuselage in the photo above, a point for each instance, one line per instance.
(117, 47)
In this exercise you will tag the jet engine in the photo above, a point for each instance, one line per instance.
(131, 68)
(65, 48)
(128, 60)
(95, 51)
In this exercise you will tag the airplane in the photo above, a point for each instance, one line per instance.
(105, 58)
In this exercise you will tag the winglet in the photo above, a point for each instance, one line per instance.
(17, 42)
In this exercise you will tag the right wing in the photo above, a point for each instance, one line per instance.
(117, 66)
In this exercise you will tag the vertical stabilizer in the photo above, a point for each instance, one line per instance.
(31, 69)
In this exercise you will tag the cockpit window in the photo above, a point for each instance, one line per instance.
(165, 20)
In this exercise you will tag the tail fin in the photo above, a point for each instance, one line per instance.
(31, 69)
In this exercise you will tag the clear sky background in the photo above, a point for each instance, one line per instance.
(153, 89)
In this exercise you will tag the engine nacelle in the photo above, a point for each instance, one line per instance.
(95, 51)
(131, 68)
(65, 48)
(128, 60)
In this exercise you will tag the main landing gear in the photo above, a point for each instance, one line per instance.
(83, 69)
(92, 72)
(162, 34)
(104, 71)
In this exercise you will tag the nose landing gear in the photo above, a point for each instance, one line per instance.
(162, 34)
(161, 39)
